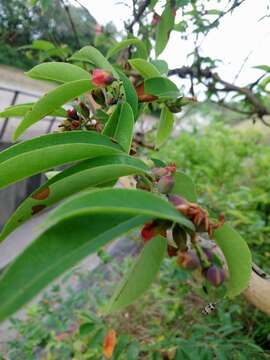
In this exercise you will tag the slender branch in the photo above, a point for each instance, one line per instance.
(137, 16)
(207, 73)
(73, 27)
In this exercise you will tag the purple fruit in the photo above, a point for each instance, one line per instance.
(215, 275)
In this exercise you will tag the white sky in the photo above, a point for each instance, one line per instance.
(238, 35)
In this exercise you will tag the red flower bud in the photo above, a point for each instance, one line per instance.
(75, 124)
(156, 19)
(72, 114)
(166, 184)
(215, 275)
(154, 228)
(188, 260)
(98, 30)
(102, 77)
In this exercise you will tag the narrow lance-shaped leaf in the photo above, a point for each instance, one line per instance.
(55, 251)
(142, 51)
(136, 202)
(51, 101)
(21, 109)
(120, 125)
(124, 130)
(141, 275)
(93, 172)
(42, 153)
(59, 72)
(143, 67)
(238, 258)
(165, 126)
(94, 56)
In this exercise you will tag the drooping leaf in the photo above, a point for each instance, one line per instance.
(164, 28)
(21, 109)
(120, 125)
(42, 45)
(90, 173)
(238, 258)
(135, 202)
(146, 69)
(39, 154)
(165, 126)
(131, 95)
(55, 251)
(59, 72)
(141, 48)
(141, 275)
(111, 124)
(94, 56)
(184, 186)
(124, 130)
(161, 87)
(51, 101)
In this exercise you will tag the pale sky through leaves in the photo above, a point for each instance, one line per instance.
(239, 35)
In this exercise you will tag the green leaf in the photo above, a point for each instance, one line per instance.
(59, 72)
(93, 172)
(22, 109)
(141, 275)
(92, 55)
(131, 95)
(161, 65)
(263, 84)
(55, 251)
(165, 126)
(161, 87)
(42, 45)
(120, 126)
(214, 12)
(111, 123)
(238, 258)
(142, 51)
(263, 67)
(143, 67)
(136, 202)
(184, 186)
(164, 28)
(124, 131)
(42, 153)
(51, 101)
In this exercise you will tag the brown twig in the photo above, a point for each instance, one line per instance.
(188, 71)
(73, 27)
(137, 16)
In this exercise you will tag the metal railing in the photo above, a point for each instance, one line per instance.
(16, 93)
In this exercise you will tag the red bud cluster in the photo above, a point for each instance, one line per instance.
(154, 228)
(102, 77)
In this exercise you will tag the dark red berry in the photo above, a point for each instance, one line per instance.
(171, 250)
(72, 114)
